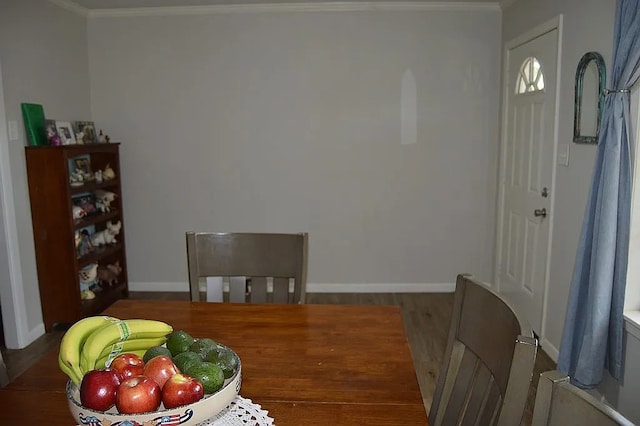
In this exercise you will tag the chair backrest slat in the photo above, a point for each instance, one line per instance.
(251, 261)
(489, 415)
(488, 384)
(478, 398)
(237, 289)
(462, 385)
(258, 292)
(281, 290)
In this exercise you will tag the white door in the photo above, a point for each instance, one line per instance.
(526, 173)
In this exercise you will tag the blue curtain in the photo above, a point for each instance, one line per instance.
(592, 336)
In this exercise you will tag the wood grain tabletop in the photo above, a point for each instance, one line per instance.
(305, 364)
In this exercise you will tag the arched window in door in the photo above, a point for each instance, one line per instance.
(530, 77)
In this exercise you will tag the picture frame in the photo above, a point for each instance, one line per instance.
(82, 164)
(52, 133)
(590, 90)
(87, 131)
(65, 132)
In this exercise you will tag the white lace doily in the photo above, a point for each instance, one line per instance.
(241, 412)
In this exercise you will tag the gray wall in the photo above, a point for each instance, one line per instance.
(43, 51)
(291, 122)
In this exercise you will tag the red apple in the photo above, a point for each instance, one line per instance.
(138, 394)
(128, 365)
(181, 389)
(98, 389)
(160, 368)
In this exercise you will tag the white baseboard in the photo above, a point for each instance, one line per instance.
(159, 286)
(381, 288)
(321, 287)
(551, 350)
(30, 337)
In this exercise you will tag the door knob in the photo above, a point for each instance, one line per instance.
(540, 212)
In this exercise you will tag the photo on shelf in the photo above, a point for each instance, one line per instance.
(85, 132)
(52, 133)
(81, 166)
(65, 131)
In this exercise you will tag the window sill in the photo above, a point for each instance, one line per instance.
(632, 323)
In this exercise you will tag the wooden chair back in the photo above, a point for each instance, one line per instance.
(259, 266)
(488, 363)
(559, 403)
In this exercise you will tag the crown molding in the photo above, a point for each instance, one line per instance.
(71, 6)
(411, 6)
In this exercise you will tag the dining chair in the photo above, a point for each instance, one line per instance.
(560, 403)
(488, 362)
(258, 267)
(4, 374)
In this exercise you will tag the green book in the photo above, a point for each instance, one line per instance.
(33, 115)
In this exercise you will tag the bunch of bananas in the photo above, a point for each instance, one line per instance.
(94, 341)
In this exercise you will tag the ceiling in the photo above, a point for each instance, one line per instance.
(125, 4)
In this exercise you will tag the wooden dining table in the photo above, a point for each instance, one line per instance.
(304, 364)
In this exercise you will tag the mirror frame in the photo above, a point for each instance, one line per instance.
(586, 59)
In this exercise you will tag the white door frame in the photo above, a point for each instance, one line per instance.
(550, 25)
(14, 314)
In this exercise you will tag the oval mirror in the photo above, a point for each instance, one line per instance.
(591, 77)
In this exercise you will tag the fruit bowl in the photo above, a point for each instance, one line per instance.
(190, 414)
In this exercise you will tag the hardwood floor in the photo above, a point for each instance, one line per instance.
(425, 315)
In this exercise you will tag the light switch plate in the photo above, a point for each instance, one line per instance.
(13, 130)
(563, 154)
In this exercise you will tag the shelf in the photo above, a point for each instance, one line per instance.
(104, 298)
(99, 253)
(93, 185)
(92, 220)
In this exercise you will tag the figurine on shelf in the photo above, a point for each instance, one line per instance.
(108, 173)
(104, 200)
(108, 276)
(88, 277)
(108, 235)
(87, 204)
(102, 137)
(80, 138)
(98, 176)
(78, 212)
(83, 243)
(77, 239)
(76, 178)
(52, 136)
